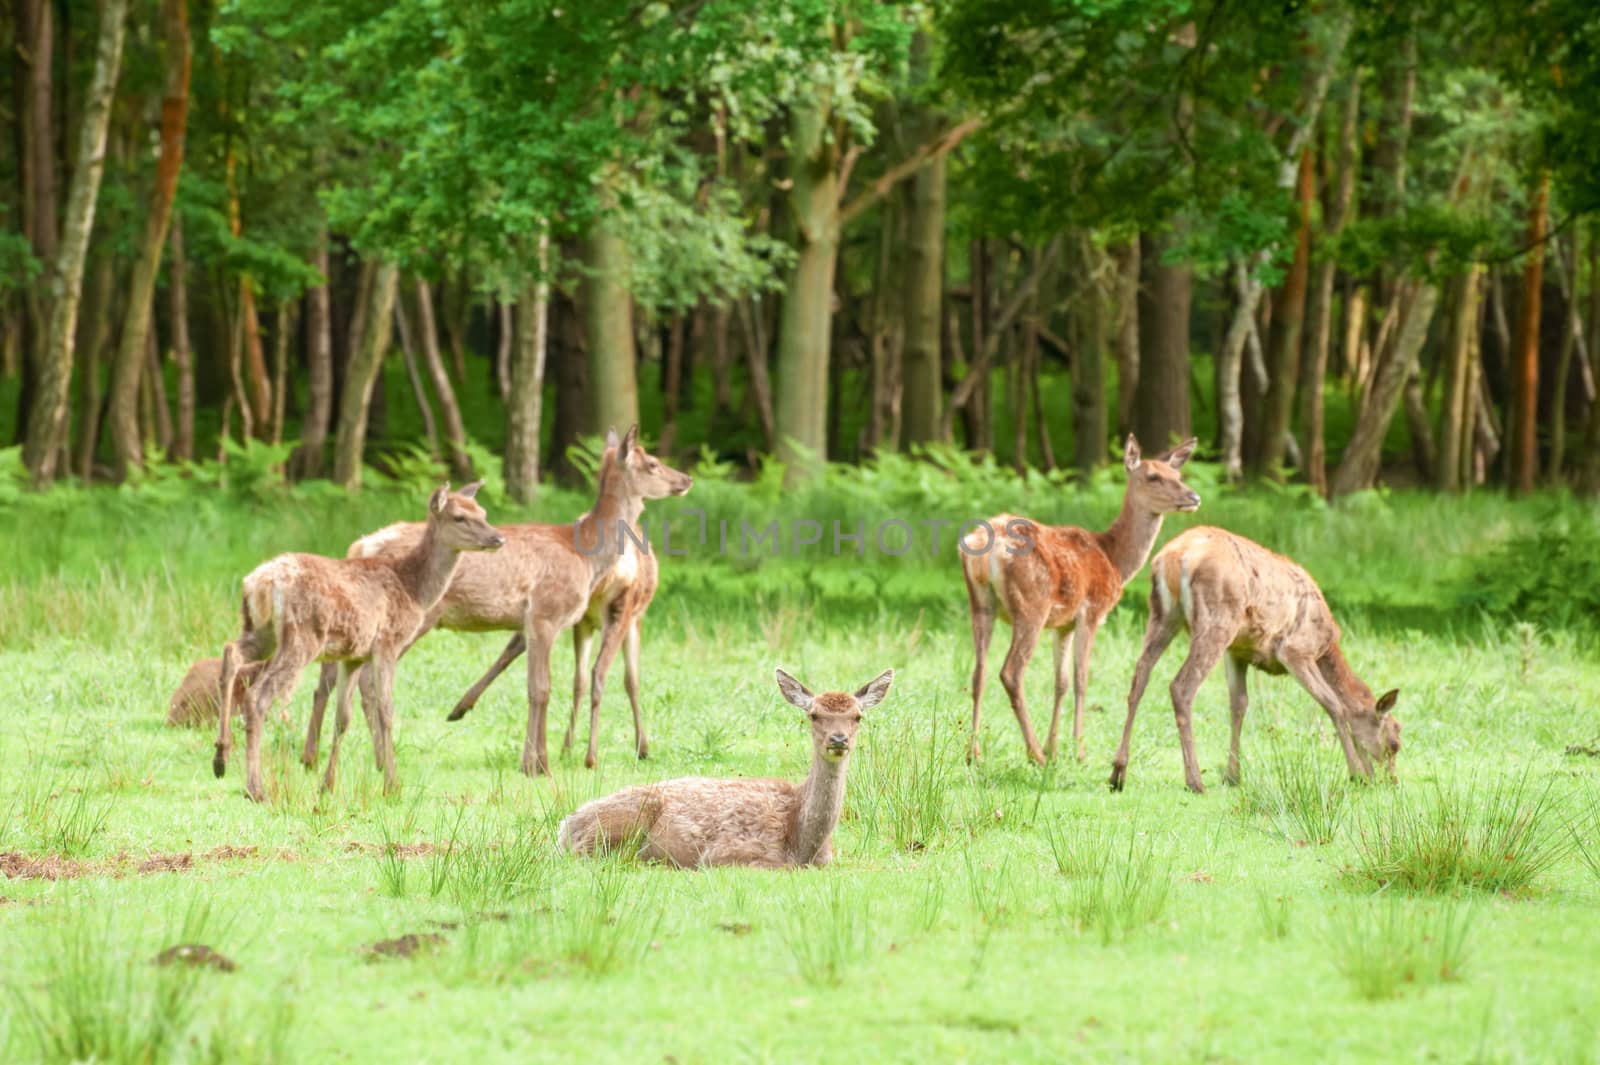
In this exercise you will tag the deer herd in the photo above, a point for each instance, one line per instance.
(1241, 604)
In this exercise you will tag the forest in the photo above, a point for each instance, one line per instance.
(1345, 243)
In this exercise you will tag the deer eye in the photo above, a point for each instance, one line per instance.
(461, 519)
(815, 718)
(856, 719)
(1153, 478)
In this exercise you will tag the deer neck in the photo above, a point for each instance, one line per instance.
(821, 802)
(1129, 540)
(428, 570)
(611, 527)
(1350, 689)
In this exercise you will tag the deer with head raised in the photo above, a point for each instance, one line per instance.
(771, 824)
(1248, 606)
(1065, 579)
(595, 576)
(360, 613)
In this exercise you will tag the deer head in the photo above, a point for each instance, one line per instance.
(643, 475)
(1376, 730)
(835, 716)
(1154, 484)
(459, 522)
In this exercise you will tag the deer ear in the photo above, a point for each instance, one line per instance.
(441, 495)
(1130, 454)
(794, 691)
(1180, 454)
(1387, 700)
(629, 442)
(470, 491)
(873, 692)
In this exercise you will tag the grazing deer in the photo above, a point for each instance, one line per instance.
(589, 575)
(1250, 607)
(360, 613)
(770, 824)
(1065, 579)
(199, 695)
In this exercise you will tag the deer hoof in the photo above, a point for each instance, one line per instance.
(219, 762)
(459, 712)
(1118, 774)
(644, 752)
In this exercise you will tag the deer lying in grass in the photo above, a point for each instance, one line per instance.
(199, 696)
(1065, 579)
(360, 613)
(1248, 607)
(546, 580)
(769, 824)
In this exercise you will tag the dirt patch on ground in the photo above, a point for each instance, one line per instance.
(165, 863)
(406, 946)
(15, 865)
(404, 850)
(197, 956)
(6, 900)
(18, 866)
(228, 851)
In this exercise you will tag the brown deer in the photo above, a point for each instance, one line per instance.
(590, 575)
(360, 613)
(770, 824)
(199, 696)
(1248, 607)
(1065, 579)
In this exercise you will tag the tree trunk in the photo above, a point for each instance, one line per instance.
(1525, 426)
(280, 367)
(1161, 405)
(1455, 430)
(161, 431)
(804, 332)
(1127, 334)
(1230, 360)
(42, 448)
(502, 351)
(96, 319)
(125, 442)
(366, 362)
(182, 352)
(921, 375)
(1358, 469)
(672, 385)
(36, 34)
(608, 321)
(408, 353)
(454, 428)
(525, 407)
(1321, 311)
(760, 389)
(308, 457)
(1288, 317)
(1089, 428)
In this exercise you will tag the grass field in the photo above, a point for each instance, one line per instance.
(993, 913)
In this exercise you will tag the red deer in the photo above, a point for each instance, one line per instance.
(360, 613)
(693, 822)
(199, 696)
(1249, 607)
(1065, 579)
(589, 575)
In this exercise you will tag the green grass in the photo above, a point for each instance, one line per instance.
(996, 912)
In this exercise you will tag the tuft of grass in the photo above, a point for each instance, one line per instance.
(1304, 796)
(1586, 836)
(903, 794)
(828, 932)
(1277, 914)
(1384, 947)
(492, 868)
(603, 927)
(1079, 845)
(91, 1001)
(1471, 834)
(62, 817)
(1126, 889)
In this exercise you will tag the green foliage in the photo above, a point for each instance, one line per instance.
(1549, 576)
(1388, 944)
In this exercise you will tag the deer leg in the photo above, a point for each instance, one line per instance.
(582, 639)
(1024, 638)
(230, 670)
(1082, 646)
(515, 647)
(377, 691)
(982, 604)
(1238, 701)
(1158, 634)
(611, 634)
(1206, 646)
(630, 678)
(535, 758)
(1059, 652)
(1310, 677)
(341, 722)
(275, 680)
(326, 680)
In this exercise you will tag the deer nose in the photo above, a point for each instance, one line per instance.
(839, 740)
(497, 541)
(1194, 499)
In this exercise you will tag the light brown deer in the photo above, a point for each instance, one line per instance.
(770, 824)
(1249, 607)
(590, 575)
(360, 613)
(199, 696)
(1065, 579)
